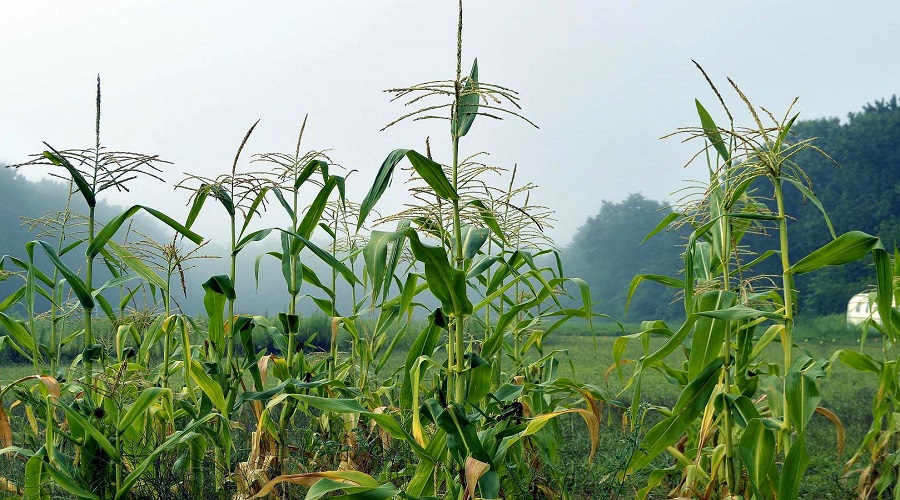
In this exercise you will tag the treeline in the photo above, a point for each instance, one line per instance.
(857, 182)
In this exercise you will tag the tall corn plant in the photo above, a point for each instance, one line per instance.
(738, 414)
(467, 421)
(96, 423)
(294, 173)
(93, 171)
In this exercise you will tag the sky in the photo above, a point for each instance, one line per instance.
(604, 80)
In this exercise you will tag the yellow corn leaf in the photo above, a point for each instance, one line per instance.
(837, 425)
(590, 419)
(348, 477)
(5, 429)
(474, 470)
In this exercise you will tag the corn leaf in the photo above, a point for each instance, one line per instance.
(467, 107)
(688, 407)
(757, 450)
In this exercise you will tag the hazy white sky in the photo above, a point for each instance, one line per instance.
(603, 79)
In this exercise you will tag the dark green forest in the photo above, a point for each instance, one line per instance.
(858, 183)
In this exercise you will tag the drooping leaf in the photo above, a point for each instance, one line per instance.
(79, 288)
(83, 187)
(110, 229)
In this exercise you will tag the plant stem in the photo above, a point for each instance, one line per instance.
(457, 346)
(167, 345)
(88, 312)
(730, 475)
(787, 279)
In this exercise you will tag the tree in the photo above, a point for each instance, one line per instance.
(607, 252)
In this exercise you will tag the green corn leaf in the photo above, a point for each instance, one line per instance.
(324, 487)
(12, 299)
(110, 229)
(218, 192)
(83, 187)
(739, 313)
(792, 471)
(857, 360)
(115, 282)
(284, 203)
(658, 278)
(740, 406)
(433, 174)
(189, 432)
(382, 181)
(757, 450)
(250, 238)
(663, 224)
(27, 267)
(71, 246)
(848, 247)
(75, 283)
(801, 389)
(138, 266)
(332, 405)
(490, 220)
(424, 345)
(473, 240)
(784, 132)
(218, 290)
(19, 332)
(430, 171)
(312, 278)
(462, 435)
(309, 170)
(446, 283)
(221, 284)
(712, 132)
(326, 257)
(672, 343)
(67, 482)
(478, 378)
(409, 292)
(75, 417)
(710, 334)
(885, 289)
(209, 387)
(482, 265)
(137, 409)
(395, 341)
(196, 207)
(34, 472)
(253, 209)
(467, 108)
(689, 406)
(315, 210)
(813, 198)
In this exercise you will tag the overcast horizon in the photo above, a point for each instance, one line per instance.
(603, 81)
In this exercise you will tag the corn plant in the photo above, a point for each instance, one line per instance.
(737, 413)
(98, 415)
(464, 427)
(880, 475)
